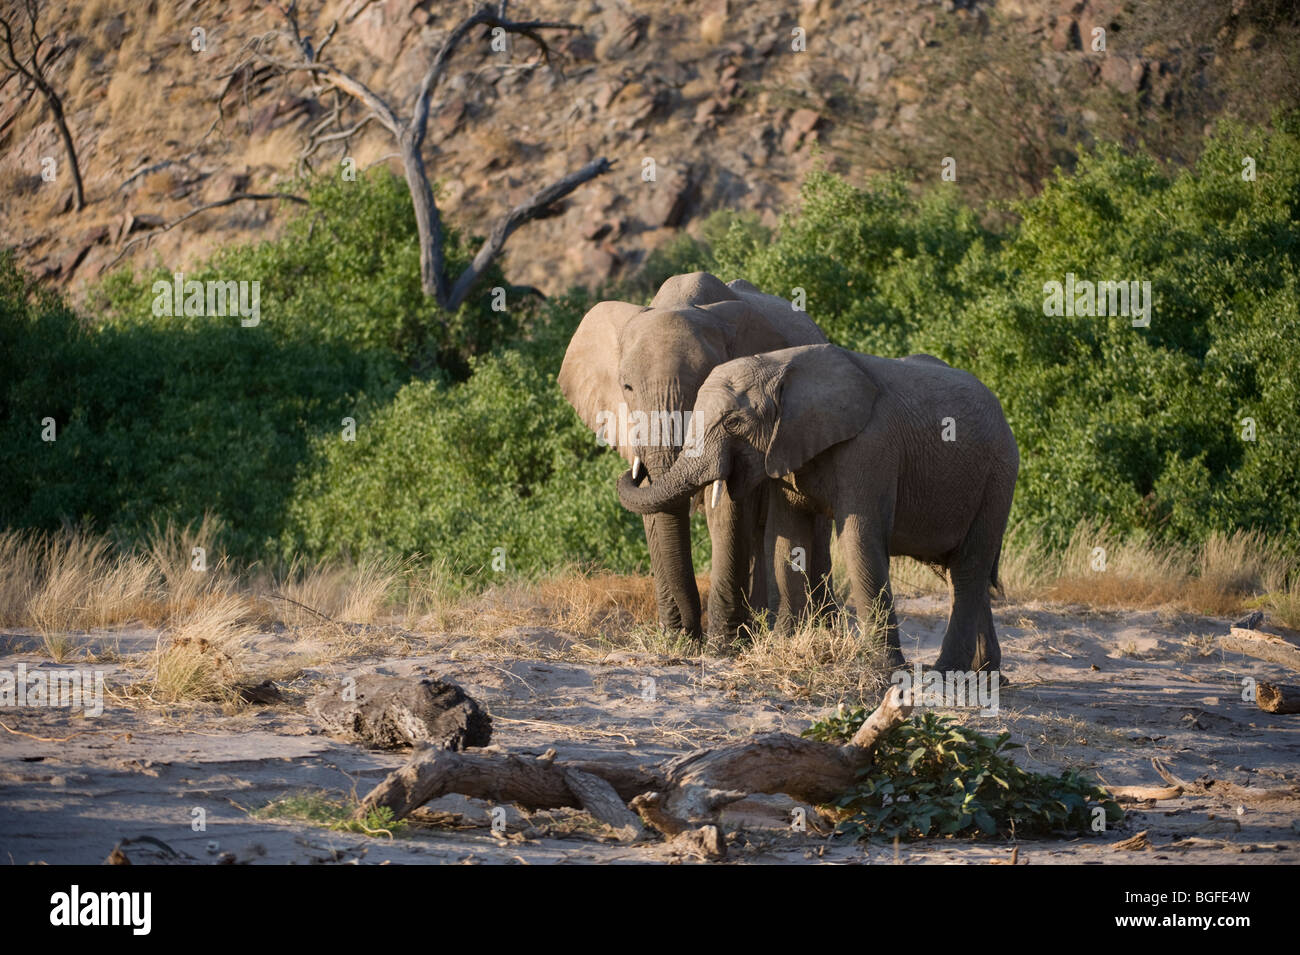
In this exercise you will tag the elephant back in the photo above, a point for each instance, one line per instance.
(794, 325)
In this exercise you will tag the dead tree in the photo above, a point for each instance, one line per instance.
(409, 133)
(32, 68)
(680, 795)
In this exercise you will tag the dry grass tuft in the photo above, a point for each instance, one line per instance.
(69, 581)
(1283, 604)
(201, 659)
(192, 568)
(1221, 577)
(1100, 569)
(344, 593)
(825, 662)
(600, 603)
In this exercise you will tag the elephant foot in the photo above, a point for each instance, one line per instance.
(894, 659)
(944, 667)
(728, 644)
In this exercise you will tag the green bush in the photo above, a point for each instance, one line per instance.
(464, 443)
(162, 420)
(934, 777)
(495, 466)
(162, 416)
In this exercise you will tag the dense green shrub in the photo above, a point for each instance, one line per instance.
(163, 418)
(464, 443)
(1141, 426)
(499, 461)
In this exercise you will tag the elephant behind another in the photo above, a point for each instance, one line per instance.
(653, 359)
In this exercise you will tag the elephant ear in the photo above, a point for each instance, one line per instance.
(822, 398)
(589, 375)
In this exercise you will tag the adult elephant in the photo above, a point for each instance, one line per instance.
(910, 456)
(652, 360)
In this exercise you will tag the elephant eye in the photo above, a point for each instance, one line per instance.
(627, 387)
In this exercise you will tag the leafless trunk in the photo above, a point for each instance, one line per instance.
(32, 69)
(409, 135)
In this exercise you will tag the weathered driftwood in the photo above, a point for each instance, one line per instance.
(390, 712)
(1264, 646)
(1144, 793)
(1277, 698)
(1206, 786)
(683, 794)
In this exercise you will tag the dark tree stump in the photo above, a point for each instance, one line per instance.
(1277, 698)
(390, 712)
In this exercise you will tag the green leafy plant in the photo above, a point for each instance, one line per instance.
(1165, 434)
(319, 810)
(934, 777)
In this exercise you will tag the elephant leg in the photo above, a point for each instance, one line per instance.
(822, 591)
(865, 546)
(971, 641)
(760, 557)
(791, 543)
(731, 533)
(668, 536)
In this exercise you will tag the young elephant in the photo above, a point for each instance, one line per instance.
(909, 456)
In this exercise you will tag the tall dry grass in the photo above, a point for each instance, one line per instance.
(1225, 575)
(201, 658)
(59, 583)
(305, 595)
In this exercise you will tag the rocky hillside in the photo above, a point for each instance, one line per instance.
(732, 101)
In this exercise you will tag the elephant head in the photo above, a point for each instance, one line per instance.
(632, 374)
(762, 417)
(653, 360)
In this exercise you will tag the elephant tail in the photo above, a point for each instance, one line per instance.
(995, 584)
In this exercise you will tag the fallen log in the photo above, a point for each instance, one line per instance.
(1231, 791)
(1263, 646)
(683, 794)
(1277, 698)
(1144, 793)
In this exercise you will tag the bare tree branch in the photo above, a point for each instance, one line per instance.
(530, 209)
(229, 200)
(410, 134)
(33, 70)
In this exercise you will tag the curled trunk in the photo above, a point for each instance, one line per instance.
(671, 490)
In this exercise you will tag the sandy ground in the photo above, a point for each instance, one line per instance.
(1099, 692)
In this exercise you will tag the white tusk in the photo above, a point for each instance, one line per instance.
(636, 468)
(717, 493)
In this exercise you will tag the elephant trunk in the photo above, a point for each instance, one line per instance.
(671, 489)
(656, 460)
(669, 538)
